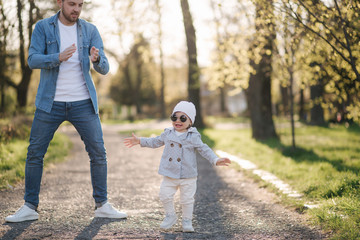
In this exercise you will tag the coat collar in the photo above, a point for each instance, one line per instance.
(54, 19)
(173, 137)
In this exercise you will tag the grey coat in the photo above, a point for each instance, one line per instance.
(179, 156)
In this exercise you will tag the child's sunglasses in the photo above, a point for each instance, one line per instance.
(183, 118)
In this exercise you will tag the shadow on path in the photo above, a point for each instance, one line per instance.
(16, 229)
(231, 211)
(94, 227)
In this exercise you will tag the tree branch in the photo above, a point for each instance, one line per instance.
(319, 35)
(348, 47)
(323, 23)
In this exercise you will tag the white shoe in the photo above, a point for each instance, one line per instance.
(23, 214)
(108, 211)
(187, 225)
(169, 221)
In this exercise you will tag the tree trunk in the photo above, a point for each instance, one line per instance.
(302, 113)
(223, 105)
(23, 86)
(139, 63)
(3, 37)
(162, 71)
(317, 112)
(291, 73)
(194, 71)
(259, 91)
(285, 100)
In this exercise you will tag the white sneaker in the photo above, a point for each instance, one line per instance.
(169, 221)
(187, 225)
(108, 211)
(23, 214)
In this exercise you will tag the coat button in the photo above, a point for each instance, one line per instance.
(180, 145)
(172, 145)
(170, 159)
(178, 159)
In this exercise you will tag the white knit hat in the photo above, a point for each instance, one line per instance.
(186, 107)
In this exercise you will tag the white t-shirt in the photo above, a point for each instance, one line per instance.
(179, 133)
(71, 85)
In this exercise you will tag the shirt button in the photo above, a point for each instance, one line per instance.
(180, 145)
(172, 145)
(170, 159)
(178, 159)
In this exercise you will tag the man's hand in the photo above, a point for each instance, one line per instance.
(94, 54)
(67, 53)
(223, 162)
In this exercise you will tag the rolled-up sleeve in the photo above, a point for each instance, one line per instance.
(102, 66)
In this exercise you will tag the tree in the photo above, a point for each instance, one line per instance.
(33, 14)
(220, 57)
(336, 24)
(229, 72)
(5, 27)
(132, 86)
(162, 71)
(288, 64)
(23, 85)
(194, 71)
(259, 90)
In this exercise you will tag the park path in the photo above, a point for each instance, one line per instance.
(228, 204)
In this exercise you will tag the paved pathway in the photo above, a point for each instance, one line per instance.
(228, 205)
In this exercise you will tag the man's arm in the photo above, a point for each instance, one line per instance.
(97, 54)
(37, 57)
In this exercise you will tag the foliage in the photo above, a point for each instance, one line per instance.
(13, 147)
(133, 83)
(317, 44)
(333, 33)
(17, 128)
(230, 68)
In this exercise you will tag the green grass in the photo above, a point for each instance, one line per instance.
(13, 155)
(324, 167)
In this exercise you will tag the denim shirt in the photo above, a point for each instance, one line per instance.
(179, 157)
(44, 54)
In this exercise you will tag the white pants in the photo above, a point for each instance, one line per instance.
(168, 188)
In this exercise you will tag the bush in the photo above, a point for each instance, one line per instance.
(17, 127)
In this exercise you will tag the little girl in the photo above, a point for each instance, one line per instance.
(178, 163)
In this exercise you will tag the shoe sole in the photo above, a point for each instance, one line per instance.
(33, 218)
(110, 216)
(189, 231)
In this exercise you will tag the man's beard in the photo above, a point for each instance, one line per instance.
(69, 18)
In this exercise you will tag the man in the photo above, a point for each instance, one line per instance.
(62, 46)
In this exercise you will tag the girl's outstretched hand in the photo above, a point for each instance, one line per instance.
(223, 162)
(131, 141)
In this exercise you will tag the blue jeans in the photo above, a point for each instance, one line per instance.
(82, 115)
